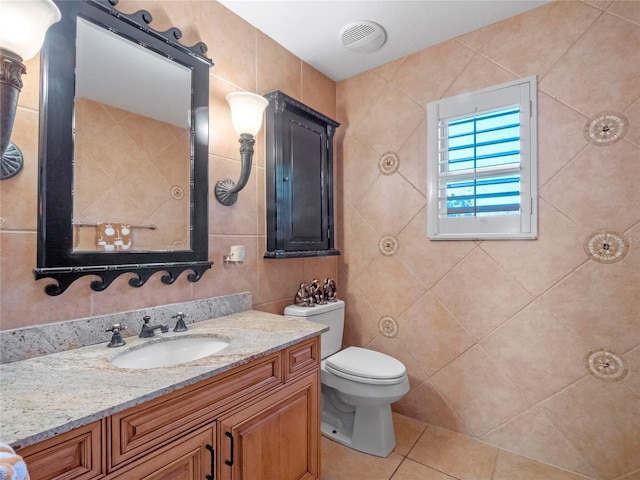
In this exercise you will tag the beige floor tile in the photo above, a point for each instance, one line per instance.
(454, 454)
(510, 466)
(408, 430)
(439, 454)
(342, 463)
(410, 470)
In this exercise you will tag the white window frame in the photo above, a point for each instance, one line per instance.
(523, 225)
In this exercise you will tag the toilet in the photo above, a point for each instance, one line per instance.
(358, 385)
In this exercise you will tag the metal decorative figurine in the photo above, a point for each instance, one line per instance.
(313, 293)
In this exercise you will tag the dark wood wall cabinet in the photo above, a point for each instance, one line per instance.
(299, 177)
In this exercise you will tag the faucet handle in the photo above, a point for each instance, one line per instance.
(116, 327)
(180, 325)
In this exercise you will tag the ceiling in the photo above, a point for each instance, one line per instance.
(310, 29)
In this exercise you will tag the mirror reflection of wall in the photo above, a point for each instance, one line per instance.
(132, 151)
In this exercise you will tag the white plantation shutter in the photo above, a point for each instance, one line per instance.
(482, 181)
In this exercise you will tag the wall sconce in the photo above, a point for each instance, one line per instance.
(23, 25)
(246, 116)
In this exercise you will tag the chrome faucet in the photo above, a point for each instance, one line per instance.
(180, 325)
(149, 330)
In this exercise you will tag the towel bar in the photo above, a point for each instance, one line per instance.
(150, 227)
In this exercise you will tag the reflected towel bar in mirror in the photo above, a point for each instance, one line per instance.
(150, 227)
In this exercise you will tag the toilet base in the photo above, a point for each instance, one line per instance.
(363, 428)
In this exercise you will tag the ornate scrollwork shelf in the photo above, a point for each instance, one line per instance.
(65, 276)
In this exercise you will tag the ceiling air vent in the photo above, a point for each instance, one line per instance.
(363, 36)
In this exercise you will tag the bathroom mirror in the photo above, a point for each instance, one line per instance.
(123, 184)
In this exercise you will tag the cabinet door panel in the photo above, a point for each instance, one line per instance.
(73, 455)
(276, 438)
(301, 358)
(186, 459)
(305, 226)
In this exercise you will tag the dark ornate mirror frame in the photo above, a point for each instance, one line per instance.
(56, 258)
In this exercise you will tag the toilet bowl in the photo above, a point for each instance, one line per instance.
(358, 385)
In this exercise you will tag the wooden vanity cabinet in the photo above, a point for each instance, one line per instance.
(266, 411)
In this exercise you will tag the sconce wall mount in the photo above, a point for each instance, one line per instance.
(226, 189)
(11, 70)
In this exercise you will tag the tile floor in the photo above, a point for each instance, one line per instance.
(427, 452)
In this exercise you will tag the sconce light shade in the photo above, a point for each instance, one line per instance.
(246, 111)
(23, 24)
(246, 115)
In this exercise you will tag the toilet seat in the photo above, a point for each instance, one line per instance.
(366, 366)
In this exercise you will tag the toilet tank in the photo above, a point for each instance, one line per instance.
(331, 314)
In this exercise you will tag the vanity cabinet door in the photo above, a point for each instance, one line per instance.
(275, 438)
(190, 458)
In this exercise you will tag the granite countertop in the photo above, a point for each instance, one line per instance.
(44, 396)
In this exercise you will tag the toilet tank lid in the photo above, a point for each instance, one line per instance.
(366, 363)
(300, 311)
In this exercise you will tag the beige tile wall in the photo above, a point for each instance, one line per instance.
(494, 334)
(245, 59)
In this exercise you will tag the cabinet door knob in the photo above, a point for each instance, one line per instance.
(285, 179)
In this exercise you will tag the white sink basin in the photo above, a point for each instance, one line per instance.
(168, 352)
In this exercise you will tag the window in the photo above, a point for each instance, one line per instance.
(481, 154)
